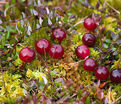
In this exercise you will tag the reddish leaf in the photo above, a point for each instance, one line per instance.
(34, 98)
(69, 83)
(26, 100)
(102, 85)
(85, 97)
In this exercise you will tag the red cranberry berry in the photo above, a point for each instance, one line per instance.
(89, 64)
(58, 34)
(89, 39)
(56, 51)
(90, 24)
(101, 73)
(115, 76)
(82, 51)
(42, 46)
(27, 54)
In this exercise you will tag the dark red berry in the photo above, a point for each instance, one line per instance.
(90, 24)
(42, 46)
(89, 64)
(101, 73)
(27, 54)
(89, 39)
(56, 51)
(115, 76)
(58, 34)
(82, 51)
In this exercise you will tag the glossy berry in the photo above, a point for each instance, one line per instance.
(58, 34)
(101, 73)
(89, 39)
(56, 51)
(90, 24)
(42, 46)
(82, 51)
(27, 54)
(115, 76)
(89, 64)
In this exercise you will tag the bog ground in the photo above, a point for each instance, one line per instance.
(60, 52)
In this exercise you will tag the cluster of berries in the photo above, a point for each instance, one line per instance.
(43, 46)
(56, 51)
(82, 51)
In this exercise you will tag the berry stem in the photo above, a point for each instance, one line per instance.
(76, 62)
(100, 38)
(101, 48)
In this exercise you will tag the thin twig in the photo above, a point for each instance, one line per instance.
(3, 2)
(76, 62)
(63, 99)
(17, 20)
(5, 11)
(79, 22)
(118, 99)
(70, 3)
(113, 8)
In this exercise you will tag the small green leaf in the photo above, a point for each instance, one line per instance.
(108, 41)
(88, 100)
(105, 45)
(12, 30)
(45, 22)
(7, 35)
(69, 14)
(65, 19)
(53, 20)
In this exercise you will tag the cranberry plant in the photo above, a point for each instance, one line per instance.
(60, 51)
